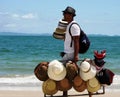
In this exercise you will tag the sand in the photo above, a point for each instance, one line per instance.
(31, 93)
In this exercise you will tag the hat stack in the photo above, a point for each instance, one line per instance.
(87, 71)
(49, 87)
(40, 71)
(99, 59)
(78, 84)
(72, 70)
(60, 30)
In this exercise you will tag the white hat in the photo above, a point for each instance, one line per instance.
(56, 70)
(87, 71)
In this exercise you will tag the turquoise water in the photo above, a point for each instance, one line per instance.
(20, 54)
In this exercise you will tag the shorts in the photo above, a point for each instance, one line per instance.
(67, 57)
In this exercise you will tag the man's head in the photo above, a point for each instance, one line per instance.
(69, 14)
(69, 10)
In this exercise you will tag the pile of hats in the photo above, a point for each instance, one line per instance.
(94, 73)
(59, 32)
(56, 76)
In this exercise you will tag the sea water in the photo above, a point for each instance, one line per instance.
(19, 55)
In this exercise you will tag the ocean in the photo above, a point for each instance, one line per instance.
(19, 55)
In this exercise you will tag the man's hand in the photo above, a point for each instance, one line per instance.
(76, 58)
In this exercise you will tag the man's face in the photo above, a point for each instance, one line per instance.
(67, 16)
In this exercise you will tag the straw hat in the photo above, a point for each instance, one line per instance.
(49, 87)
(60, 30)
(78, 84)
(77, 81)
(87, 71)
(93, 85)
(72, 70)
(40, 71)
(64, 85)
(56, 70)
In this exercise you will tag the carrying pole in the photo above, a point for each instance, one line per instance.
(65, 93)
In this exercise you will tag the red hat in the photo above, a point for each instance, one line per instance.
(100, 55)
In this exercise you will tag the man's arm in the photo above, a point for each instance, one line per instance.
(76, 48)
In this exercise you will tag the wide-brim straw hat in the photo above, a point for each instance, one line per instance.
(64, 85)
(87, 71)
(56, 70)
(93, 85)
(77, 81)
(78, 84)
(40, 71)
(49, 87)
(72, 70)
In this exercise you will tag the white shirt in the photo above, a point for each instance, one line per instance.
(75, 31)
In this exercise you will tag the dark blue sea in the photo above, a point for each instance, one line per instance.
(19, 55)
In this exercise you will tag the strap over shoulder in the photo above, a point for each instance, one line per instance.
(70, 31)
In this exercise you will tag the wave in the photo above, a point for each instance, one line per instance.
(32, 83)
(4, 50)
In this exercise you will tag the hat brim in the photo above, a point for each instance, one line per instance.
(80, 88)
(69, 13)
(93, 89)
(64, 85)
(49, 87)
(77, 81)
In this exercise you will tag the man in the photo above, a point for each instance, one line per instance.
(71, 52)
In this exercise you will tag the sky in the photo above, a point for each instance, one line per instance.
(42, 16)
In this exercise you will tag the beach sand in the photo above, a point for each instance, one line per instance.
(30, 93)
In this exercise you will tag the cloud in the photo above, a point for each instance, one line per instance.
(29, 16)
(3, 13)
(24, 16)
(15, 15)
(19, 22)
(10, 25)
(18, 16)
